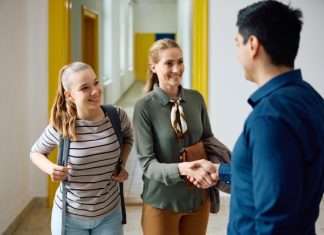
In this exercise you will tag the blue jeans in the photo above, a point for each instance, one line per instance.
(106, 225)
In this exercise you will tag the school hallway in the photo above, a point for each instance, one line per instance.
(38, 37)
(37, 220)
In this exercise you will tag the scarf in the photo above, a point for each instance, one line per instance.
(178, 120)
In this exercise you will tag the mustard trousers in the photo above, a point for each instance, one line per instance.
(157, 221)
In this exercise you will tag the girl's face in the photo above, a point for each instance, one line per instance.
(84, 90)
(170, 68)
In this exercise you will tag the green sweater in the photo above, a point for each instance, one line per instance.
(158, 148)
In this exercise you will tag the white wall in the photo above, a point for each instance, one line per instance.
(228, 90)
(311, 53)
(184, 36)
(116, 80)
(111, 45)
(23, 97)
(155, 16)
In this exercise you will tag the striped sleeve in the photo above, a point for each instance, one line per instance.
(48, 140)
(126, 127)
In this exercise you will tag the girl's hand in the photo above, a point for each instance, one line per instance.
(59, 173)
(122, 176)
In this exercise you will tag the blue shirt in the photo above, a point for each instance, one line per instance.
(278, 161)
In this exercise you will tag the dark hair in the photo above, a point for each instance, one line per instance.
(276, 25)
(154, 57)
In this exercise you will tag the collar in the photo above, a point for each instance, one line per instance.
(274, 84)
(163, 98)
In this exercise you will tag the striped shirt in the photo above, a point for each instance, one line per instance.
(91, 192)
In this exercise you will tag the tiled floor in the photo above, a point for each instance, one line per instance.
(133, 186)
(38, 222)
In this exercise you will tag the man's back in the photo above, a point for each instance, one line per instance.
(278, 162)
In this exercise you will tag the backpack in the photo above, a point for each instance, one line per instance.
(62, 160)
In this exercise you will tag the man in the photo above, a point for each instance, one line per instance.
(278, 160)
(277, 169)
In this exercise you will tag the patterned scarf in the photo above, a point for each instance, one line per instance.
(178, 120)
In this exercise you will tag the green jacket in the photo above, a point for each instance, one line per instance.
(158, 148)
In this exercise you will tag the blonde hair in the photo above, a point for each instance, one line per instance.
(64, 112)
(154, 57)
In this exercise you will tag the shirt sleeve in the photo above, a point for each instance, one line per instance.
(126, 127)
(277, 175)
(48, 140)
(225, 173)
(166, 173)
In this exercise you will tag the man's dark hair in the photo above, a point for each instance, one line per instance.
(276, 25)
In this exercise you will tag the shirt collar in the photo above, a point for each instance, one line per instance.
(274, 84)
(163, 97)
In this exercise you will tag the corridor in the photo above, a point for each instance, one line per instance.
(40, 36)
(37, 221)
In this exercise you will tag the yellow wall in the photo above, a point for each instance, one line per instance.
(143, 42)
(200, 47)
(58, 55)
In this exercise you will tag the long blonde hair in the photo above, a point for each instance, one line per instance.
(64, 112)
(154, 57)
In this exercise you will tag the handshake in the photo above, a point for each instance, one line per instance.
(201, 173)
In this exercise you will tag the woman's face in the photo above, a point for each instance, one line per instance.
(170, 68)
(84, 90)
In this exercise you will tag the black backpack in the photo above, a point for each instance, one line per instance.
(62, 160)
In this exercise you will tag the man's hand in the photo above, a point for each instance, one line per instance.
(202, 173)
(210, 168)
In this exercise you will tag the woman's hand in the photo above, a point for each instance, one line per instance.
(59, 173)
(122, 176)
(213, 171)
(202, 173)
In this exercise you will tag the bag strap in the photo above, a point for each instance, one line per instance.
(113, 115)
(62, 160)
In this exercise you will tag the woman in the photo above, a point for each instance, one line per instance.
(93, 201)
(168, 119)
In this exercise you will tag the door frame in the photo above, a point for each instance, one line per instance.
(59, 54)
(87, 13)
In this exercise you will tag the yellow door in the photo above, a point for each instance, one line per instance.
(143, 42)
(89, 26)
(200, 47)
(58, 55)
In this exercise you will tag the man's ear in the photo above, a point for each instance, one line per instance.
(254, 46)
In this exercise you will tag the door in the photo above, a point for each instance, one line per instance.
(89, 40)
(59, 48)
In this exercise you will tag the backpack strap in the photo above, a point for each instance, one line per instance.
(113, 115)
(62, 160)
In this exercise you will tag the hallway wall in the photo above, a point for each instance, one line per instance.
(117, 23)
(148, 15)
(23, 97)
(151, 18)
(184, 37)
(228, 90)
